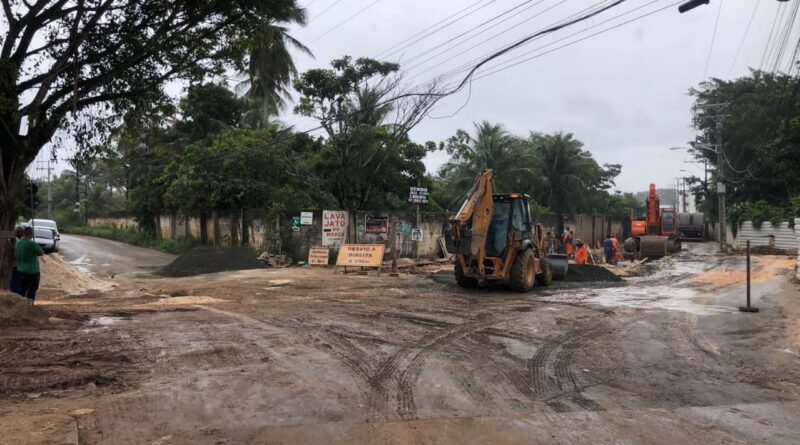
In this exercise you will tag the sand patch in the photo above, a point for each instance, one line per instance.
(186, 300)
(764, 268)
(59, 276)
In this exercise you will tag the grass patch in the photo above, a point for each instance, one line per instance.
(136, 238)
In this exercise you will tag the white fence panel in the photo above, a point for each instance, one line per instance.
(785, 236)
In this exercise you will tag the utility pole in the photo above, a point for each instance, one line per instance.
(723, 234)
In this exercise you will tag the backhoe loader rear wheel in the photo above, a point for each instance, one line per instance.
(546, 277)
(523, 272)
(463, 280)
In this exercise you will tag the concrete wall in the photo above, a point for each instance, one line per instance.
(271, 231)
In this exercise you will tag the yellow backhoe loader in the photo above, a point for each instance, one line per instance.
(496, 240)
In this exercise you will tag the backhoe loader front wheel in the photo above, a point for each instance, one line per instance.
(463, 280)
(523, 272)
(546, 277)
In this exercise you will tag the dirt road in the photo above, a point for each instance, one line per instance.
(306, 356)
(104, 258)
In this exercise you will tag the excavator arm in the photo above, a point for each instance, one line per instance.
(471, 223)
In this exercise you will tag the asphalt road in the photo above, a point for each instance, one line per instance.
(103, 257)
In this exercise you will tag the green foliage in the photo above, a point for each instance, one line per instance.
(757, 212)
(135, 237)
(553, 169)
(366, 161)
(759, 132)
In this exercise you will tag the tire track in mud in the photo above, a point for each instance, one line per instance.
(406, 404)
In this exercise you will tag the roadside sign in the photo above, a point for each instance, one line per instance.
(334, 227)
(416, 235)
(318, 256)
(377, 225)
(306, 218)
(418, 195)
(295, 224)
(360, 255)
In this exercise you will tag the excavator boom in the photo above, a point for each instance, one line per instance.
(471, 223)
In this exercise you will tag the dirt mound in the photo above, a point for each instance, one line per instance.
(57, 275)
(203, 260)
(17, 311)
(583, 273)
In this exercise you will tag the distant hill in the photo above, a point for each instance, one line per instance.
(666, 196)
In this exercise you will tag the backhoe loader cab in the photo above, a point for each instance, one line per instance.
(496, 240)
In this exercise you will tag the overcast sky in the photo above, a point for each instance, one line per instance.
(623, 92)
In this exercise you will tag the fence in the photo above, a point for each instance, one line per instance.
(274, 230)
(782, 236)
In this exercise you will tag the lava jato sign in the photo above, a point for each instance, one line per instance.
(334, 227)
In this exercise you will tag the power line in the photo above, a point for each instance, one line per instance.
(769, 38)
(516, 60)
(343, 22)
(464, 67)
(713, 38)
(336, 2)
(480, 25)
(744, 37)
(436, 30)
(787, 32)
(505, 30)
(379, 55)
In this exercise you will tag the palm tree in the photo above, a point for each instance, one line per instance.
(271, 67)
(567, 173)
(491, 147)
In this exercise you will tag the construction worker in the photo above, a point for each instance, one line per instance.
(550, 244)
(581, 253)
(27, 254)
(616, 249)
(569, 247)
(608, 249)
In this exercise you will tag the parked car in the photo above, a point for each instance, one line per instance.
(45, 238)
(46, 224)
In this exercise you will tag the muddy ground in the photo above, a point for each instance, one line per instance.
(307, 356)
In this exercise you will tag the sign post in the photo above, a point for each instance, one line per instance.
(418, 196)
(334, 227)
(318, 256)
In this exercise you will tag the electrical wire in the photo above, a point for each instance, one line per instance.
(343, 22)
(418, 39)
(380, 54)
(744, 37)
(480, 25)
(787, 33)
(336, 2)
(769, 38)
(713, 38)
(464, 67)
(440, 62)
(497, 68)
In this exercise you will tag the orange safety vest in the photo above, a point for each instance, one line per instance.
(568, 248)
(582, 255)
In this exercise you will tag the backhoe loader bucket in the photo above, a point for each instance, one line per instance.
(559, 265)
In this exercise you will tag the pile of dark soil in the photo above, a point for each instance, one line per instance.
(17, 311)
(203, 260)
(584, 273)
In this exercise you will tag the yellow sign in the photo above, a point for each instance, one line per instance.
(363, 255)
(318, 256)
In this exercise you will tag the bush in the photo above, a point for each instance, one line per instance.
(757, 212)
(136, 238)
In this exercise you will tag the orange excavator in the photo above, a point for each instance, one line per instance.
(655, 234)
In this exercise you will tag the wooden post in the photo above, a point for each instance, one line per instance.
(748, 308)
(393, 238)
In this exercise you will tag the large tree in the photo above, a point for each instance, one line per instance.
(366, 115)
(753, 122)
(76, 65)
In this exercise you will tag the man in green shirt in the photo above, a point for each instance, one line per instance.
(27, 253)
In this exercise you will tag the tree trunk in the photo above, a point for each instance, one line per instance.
(8, 217)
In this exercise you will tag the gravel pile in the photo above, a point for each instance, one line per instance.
(584, 273)
(204, 260)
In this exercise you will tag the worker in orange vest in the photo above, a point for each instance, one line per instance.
(616, 249)
(569, 248)
(582, 253)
